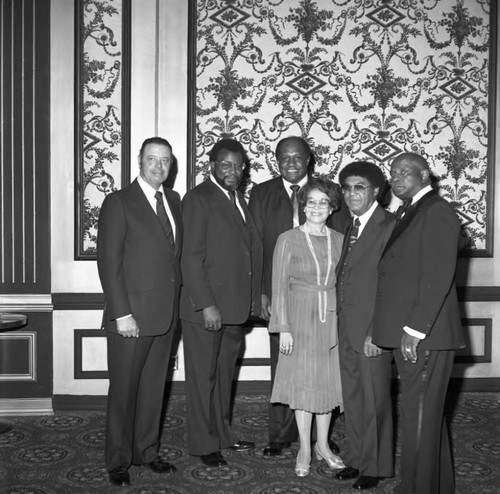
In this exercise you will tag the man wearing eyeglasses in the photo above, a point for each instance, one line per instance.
(221, 270)
(364, 368)
(275, 209)
(417, 317)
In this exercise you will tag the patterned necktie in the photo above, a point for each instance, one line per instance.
(163, 217)
(232, 198)
(295, 203)
(354, 233)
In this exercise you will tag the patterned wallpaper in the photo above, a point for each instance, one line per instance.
(360, 79)
(103, 102)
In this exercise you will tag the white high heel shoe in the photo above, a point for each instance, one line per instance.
(302, 469)
(334, 462)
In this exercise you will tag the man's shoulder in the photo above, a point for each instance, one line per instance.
(201, 189)
(437, 205)
(270, 184)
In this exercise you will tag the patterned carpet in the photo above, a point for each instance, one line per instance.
(64, 454)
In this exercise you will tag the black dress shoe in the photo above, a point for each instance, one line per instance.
(347, 473)
(365, 482)
(213, 460)
(242, 446)
(160, 466)
(334, 447)
(275, 448)
(119, 476)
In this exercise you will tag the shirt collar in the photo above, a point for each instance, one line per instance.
(226, 192)
(364, 218)
(147, 189)
(421, 193)
(287, 184)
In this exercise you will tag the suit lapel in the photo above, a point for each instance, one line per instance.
(364, 242)
(176, 214)
(345, 246)
(228, 210)
(148, 216)
(409, 216)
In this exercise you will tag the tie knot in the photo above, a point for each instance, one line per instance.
(295, 188)
(357, 223)
(158, 195)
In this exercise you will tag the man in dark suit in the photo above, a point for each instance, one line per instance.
(221, 268)
(417, 315)
(138, 257)
(364, 368)
(275, 210)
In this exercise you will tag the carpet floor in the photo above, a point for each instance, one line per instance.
(63, 453)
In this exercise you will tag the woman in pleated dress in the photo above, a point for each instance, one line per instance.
(303, 312)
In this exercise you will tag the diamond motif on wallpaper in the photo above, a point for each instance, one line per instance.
(458, 88)
(229, 16)
(306, 84)
(464, 218)
(89, 140)
(385, 16)
(382, 150)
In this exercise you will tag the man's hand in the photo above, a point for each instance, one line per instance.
(265, 311)
(127, 327)
(213, 318)
(409, 346)
(286, 343)
(370, 349)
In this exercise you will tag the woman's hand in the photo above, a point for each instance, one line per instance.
(286, 343)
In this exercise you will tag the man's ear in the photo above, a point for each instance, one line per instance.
(425, 175)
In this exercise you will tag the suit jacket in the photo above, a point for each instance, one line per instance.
(272, 210)
(138, 268)
(222, 257)
(357, 275)
(416, 286)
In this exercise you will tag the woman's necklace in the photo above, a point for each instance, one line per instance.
(322, 296)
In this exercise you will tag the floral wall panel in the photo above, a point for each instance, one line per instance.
(360, 79)
(102, 102)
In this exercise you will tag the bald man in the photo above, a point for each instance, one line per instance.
(417, 316)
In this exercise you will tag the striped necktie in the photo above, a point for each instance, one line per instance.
(232, 198)
(163, 217)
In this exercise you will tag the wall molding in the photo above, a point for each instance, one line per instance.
(25, 406)
(95, 301)
(29, 302)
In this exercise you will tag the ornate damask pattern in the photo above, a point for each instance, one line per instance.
(360, 79)
(102, 117)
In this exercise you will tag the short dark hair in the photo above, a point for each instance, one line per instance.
(226, 144)
(364, 169)
(326, 186)
(154, 140)
(304, 143)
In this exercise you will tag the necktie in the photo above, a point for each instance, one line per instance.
(354, 232)
(163, 217)
(295, 203)
(232, 198)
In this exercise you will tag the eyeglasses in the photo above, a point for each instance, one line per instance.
(225, 166)
(322, 203)
(358, 188)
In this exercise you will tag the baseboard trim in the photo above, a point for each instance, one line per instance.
(25, 406)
